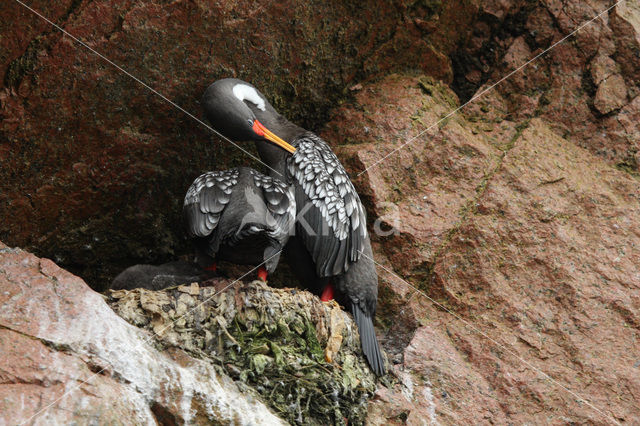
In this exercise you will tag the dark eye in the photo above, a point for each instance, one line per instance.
(250, 121)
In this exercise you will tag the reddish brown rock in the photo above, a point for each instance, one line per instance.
(611, 94)
(548, 272)
(625, 24)
(433, 386)
(68, 358)
(21, 30)
(601, 68)
(564, 84)
(515, 302)
(433, 167)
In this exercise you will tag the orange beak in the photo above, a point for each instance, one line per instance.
(260, 130)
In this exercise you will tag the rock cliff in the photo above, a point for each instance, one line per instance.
(507, 233)
(508, 256)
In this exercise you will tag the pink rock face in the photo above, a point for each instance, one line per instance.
(67, 357)
(519, 250)
(611, 94)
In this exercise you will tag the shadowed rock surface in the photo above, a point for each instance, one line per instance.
(95, 166)
(586, 88)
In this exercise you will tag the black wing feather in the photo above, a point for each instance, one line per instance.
(206, 198)
(329, 204)
(281, 205)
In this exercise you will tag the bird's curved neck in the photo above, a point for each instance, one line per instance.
(274, 157)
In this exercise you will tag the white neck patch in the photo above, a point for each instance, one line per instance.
(242, 92)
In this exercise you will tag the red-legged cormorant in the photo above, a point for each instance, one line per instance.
(240, 216)
(331, 241)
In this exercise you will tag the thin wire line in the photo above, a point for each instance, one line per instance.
(476, 329)
(476, 96)
(151, 337)
(76, 39)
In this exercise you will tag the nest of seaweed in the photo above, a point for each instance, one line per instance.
(302, 356)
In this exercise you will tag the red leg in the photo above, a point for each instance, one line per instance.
(212, 268)
(327, 293)
(262, 274)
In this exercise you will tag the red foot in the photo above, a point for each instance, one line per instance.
(262, 274)
(213, 267)
(327, 293)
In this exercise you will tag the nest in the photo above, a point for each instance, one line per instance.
(300, 355)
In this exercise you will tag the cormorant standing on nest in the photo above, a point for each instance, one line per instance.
(331, 248)
(241, 216)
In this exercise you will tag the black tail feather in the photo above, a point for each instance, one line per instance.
(368, 339)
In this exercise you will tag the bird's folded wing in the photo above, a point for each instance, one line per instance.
(281, 205)
(207, 197)
(331, 218)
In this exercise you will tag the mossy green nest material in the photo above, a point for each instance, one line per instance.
(275, 340)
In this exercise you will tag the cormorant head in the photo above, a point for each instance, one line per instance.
(229, 104)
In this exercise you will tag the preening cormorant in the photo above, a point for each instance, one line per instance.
(331, 247)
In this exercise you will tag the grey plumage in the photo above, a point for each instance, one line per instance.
(335, 236)
(362, 297)
(158, 277)
(329, 204)
(239, 215)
